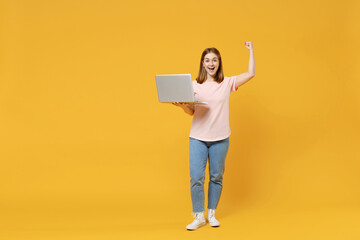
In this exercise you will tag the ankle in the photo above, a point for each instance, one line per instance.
(198, 213)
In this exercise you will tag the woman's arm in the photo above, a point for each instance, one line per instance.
(188, 108)
(244, 77)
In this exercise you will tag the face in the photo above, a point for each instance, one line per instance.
(211, 64)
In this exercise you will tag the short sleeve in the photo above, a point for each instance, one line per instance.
(231, 82)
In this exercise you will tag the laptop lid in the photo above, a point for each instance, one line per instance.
(175, 88)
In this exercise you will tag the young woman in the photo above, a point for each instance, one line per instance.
(210, 130)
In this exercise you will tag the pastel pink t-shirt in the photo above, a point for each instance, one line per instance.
(211, 122)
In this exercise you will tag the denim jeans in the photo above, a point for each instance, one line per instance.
(200, 151)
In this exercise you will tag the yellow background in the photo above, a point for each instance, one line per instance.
(88, 152)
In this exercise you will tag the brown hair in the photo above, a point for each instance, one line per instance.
(219, 76)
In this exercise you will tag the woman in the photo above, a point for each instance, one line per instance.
(210, 131)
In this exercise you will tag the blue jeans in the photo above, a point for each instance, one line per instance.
(200, 151)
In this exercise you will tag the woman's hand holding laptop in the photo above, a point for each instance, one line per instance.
(187, 107)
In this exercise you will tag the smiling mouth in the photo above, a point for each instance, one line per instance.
(212, 69)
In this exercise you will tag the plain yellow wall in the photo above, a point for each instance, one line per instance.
(80, 120)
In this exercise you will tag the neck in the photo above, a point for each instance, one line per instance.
(210, 78)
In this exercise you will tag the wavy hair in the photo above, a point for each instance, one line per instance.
(219, 76)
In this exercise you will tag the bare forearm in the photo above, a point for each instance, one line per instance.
(251, 62)
(188, 109)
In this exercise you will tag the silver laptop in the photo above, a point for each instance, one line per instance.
(175, 88)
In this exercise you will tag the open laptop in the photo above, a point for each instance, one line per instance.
(175, 88)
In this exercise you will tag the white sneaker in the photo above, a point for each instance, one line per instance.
(211, 218)
(199, 221)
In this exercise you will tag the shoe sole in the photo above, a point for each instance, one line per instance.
(214, 225)
(192, 229)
